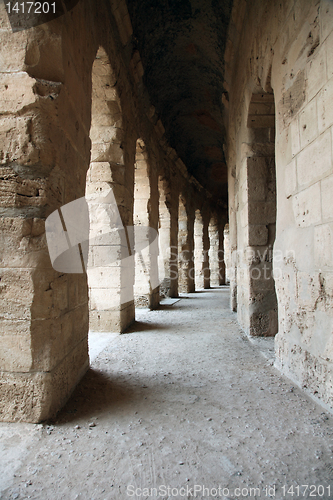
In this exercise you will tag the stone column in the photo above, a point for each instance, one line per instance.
(182, 240)
(153, 223)
(206, 246)
(44, 312)
(232, 239)
(221, 254)
(186, 247)
(168, 239)
(110, 193)
(217, 250)
(146, 288)
(226, 249)
(198, 251)
(201, 250)
(256, 296)
(214, 252)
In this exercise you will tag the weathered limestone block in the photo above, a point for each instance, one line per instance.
(307, 206)
(36, 396)
(256, 178)
(326, 194)
(308, 123)
(315, 161)
(293, 98)
(290, 179)
(16, 92)
(316, 72)
(258, 235)
(323, 246)
(325, 106)
(262, 213)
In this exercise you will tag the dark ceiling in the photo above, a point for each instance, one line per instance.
(181, 43)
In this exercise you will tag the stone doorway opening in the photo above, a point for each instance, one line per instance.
(261, 214)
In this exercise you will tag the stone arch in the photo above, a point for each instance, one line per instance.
(110, 282)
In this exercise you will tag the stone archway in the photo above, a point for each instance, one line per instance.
(259, 217)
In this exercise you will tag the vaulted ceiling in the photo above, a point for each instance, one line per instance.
(182, 43)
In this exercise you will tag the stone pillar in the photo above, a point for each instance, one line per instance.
(146, 290)
(227, 256)
(206, 246)
(44, 312)
(222, 267)
(216, 252)
(201, 249)
(198, 251)
(263, 317)
(153, 223)
(110, 186)
(232, 238)
(168, 239)
(256, 296)
(186, 247)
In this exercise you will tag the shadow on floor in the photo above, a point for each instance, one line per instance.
(141, 326)
(96, 393)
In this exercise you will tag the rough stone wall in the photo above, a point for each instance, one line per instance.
(287, 46)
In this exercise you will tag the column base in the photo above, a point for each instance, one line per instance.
(112, 320)
(35, 397)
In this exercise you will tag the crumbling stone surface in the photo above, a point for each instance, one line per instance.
(285, 52)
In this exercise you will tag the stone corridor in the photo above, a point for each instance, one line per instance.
(182, 400)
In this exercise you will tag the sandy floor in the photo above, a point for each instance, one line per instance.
(181, 402)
